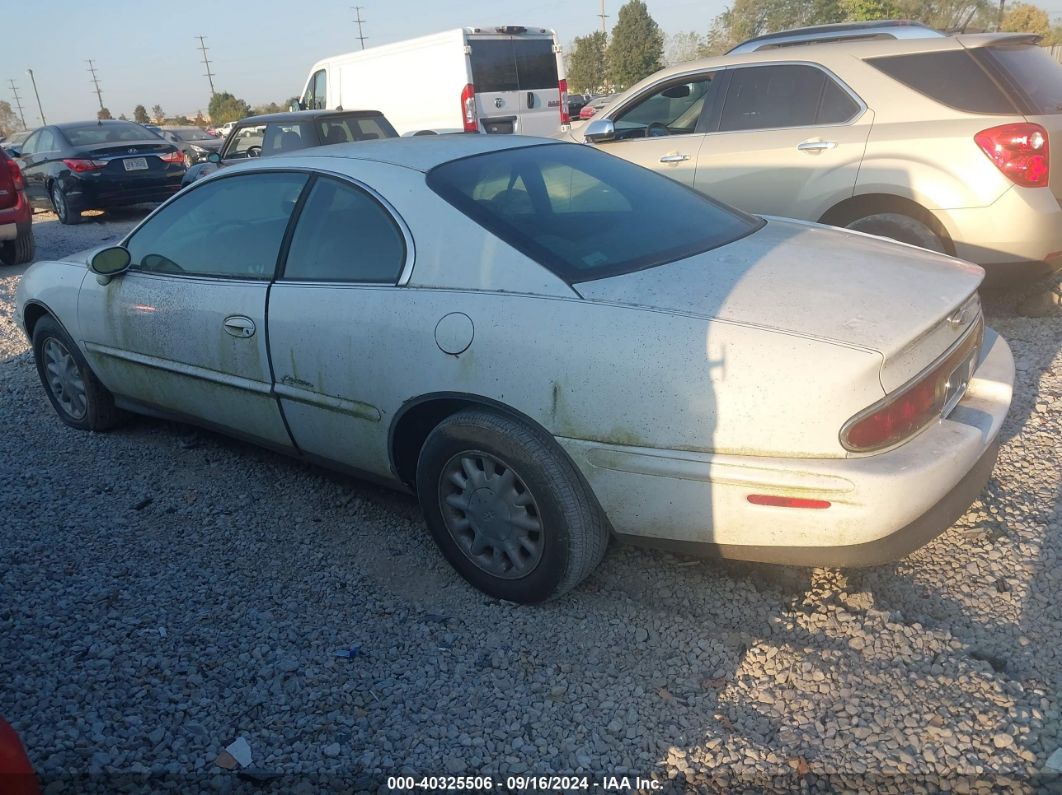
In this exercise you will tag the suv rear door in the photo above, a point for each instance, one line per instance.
(516, 82)
(788, 141)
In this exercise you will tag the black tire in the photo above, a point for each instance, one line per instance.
(61, 205)
(100, 412)
(21, 249)
(898, 226)
(574, 533)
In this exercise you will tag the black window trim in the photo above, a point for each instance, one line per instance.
(545, 259)
(389, 210)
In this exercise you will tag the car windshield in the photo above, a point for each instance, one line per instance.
(89, 134)
(585, 214)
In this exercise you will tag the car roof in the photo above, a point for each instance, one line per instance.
(420, 152)
(304, 115)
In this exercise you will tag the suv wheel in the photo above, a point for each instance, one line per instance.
(898, 226)
(21, 249)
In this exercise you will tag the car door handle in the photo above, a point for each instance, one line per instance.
(674, 158)
(239, 326)
(816, 146)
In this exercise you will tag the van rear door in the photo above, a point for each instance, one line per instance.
(516, 81)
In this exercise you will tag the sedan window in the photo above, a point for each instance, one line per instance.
(230, 227)
(355, 128)
(344, 234)
(585, 214)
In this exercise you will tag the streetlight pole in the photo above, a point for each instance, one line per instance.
(37, 95)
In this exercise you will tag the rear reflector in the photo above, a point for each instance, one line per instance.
(468, 109)
(563, 86)
(787, 502)
(1020, 151)
(79, 166)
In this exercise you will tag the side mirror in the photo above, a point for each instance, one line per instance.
(599, 130)
(110, 262)
(214, 158)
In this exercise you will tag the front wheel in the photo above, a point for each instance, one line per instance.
(507, 507)
(898, 226)
(77, 396)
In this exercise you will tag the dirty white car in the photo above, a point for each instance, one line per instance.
(550, 345)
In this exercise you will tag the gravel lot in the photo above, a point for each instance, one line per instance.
(164, 591)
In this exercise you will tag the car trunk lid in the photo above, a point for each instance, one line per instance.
(907, 304)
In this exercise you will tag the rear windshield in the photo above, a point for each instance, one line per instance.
(513, 64)
(89, 134)
(585, 214)
(189, 133)
(1031, 74)
(951, 77)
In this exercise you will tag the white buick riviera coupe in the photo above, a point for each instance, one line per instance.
(550, 346)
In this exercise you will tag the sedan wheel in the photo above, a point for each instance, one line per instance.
(508, 508)
(62, 206)
(77, 396)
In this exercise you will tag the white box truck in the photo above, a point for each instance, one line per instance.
(506, 79)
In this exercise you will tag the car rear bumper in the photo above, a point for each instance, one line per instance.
(100, 192)
(882, 506)
(12, 217)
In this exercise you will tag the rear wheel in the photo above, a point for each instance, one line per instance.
(77, 396)
(21, 249)
(898, 226)
(62, 206)
(507, 507)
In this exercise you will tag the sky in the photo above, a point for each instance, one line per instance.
(146, 53)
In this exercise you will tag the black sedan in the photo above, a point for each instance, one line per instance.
(98, 165)
(273, 133)
(195, 143)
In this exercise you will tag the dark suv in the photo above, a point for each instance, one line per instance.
(274, 133)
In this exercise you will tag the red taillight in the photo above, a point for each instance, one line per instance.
(562, 85)
(1020, 151)
(912, 407)
(787, 502)
(468, 109)
(172, 157)
(79, 166)
(16, 175)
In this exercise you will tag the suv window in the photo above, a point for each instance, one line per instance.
(229, 227)
(786, 95)
(673, 109)
(950, 77)
(1030, 73)
(345, 235)
(585, 214)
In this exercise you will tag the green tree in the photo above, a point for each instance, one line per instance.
(684, 46)
(272, 107)
(158, 115)
(123, 117)
(224, 107)
(199, 121)
(746, 19)
(587, 68)
(1026, 18)
(9, 120)
(637, 46)
(104, 113)
(140, 115)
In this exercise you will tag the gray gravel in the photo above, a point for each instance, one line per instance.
(164, 591)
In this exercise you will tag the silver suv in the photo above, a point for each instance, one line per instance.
(939, 141)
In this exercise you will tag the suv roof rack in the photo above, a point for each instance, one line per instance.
(842, 31)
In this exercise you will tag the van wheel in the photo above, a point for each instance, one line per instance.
(898, 226)
(507, 507)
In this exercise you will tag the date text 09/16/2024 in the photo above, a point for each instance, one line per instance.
(522, 783)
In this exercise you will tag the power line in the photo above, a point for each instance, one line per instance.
(206, 62)
(603, 16)
(18, 103)
(95, 81)
(360, 22)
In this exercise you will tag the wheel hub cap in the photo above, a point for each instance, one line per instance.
(491, 515)
(64, 379)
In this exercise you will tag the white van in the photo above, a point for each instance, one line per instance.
(497, 80)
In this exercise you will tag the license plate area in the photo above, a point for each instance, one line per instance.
(959, 380)
(135, 164)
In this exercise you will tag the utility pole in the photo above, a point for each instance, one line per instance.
(95, 81)
(37, 95)
(999, 20)
(18, 103)
(360, 22)
(206, 62)
(603, 16)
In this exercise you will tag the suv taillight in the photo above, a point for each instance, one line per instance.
(468, 109)
(563, 86)
(16, 175)
(1020, 151)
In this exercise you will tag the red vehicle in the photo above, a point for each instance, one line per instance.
(16, 215)
(16, 773)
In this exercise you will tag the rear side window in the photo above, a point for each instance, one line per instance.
(355, 128)
(287, 138)
(950, 77)
(345, 235)
(1031, 75)
(513, 64)
(585, 214)
(790, 95)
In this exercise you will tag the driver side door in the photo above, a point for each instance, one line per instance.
(663, 128)
(183, 331)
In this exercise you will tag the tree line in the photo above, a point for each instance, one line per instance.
(637, 47)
